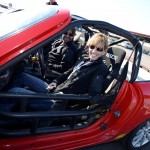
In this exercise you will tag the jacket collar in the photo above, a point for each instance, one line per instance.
(99, 60)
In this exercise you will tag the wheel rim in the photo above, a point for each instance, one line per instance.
(142, 136)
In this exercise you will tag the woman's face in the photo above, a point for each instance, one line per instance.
(95, 52)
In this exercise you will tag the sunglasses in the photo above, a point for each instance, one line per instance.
(70, 34)
(97, 48)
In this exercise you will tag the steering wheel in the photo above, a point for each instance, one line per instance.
(42, 65)
(42, 62)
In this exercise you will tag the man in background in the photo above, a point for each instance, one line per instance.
(62, 54)
(52, 2)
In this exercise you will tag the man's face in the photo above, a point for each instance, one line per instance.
(68, 36)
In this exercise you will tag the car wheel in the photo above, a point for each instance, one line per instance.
(140, 136)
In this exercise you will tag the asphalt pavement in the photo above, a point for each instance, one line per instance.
(112, 146)
(107, 146)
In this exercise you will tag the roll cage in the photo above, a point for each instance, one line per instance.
(70, 119)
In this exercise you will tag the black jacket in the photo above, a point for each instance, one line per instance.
(88, 79)
(62, 56)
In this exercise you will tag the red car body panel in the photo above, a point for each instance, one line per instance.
(130, 101)
(22, 41)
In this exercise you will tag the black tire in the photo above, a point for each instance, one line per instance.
(139, 137)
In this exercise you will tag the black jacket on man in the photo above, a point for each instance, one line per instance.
(87, 79)
(62, 56)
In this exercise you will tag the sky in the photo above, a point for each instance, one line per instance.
(132, 15)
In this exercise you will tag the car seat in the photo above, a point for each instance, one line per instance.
(113, 59)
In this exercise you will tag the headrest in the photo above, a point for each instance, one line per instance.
(114, 57)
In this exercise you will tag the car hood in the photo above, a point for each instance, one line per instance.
(26, 18)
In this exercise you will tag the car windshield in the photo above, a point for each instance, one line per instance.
(26, 18)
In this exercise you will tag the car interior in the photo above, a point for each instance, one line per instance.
(78, 112)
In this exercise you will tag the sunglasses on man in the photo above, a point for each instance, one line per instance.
(69, 34)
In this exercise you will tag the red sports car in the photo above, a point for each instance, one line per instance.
(121, 112)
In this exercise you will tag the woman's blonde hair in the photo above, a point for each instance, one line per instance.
(98, 38)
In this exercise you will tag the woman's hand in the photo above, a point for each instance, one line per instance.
(51, 86)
